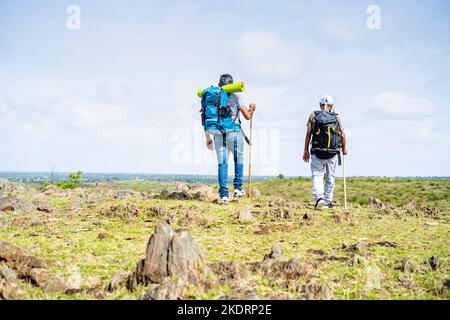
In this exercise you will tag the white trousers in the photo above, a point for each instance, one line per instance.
(319, 169)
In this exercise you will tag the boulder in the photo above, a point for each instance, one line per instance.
(155, 264)
(171, 256)
(275, 253)
(28, 268)
(204, 193)
(8, 274)
(9, 204)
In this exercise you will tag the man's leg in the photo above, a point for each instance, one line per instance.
(222, 159)
(318, 171)
(237, 146)
(330, 179)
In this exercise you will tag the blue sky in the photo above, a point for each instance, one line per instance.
(118, 95)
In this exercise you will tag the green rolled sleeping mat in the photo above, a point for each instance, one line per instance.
(230, 88)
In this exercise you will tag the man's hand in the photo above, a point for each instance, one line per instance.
(209, 143)
(306, 156)
(344, 152)
(252, 107)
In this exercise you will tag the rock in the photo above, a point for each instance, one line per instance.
(126, 211)
(44, 208)
(9, 204)
(252, 295)
(227, 271)
(410, 206)
(406, 265)
(245, 215)
(181, 186)
(292, 269)
(39, 276)
(358, 260)
(7, 187)
(433, 262)
(315, 291)
(9, 290)
(118, 280)
(16, 259)
(447, 283)
(22, 266)
(204, 193)
(155, 264)
(375, 203)
(73, 283)
(406, 282)
(121, 194)
(337, 218)
(282, 213)
(8, 209)
(360, 247)
(182, 195)
(164, 194)
(8, 274)
(185, 257)
(52, 190)
(102, 235)
(55, 284)
(171, 255)
(275, 253)
(307, 216)
(168, 290)
(278, 202)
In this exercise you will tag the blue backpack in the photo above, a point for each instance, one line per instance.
(216, 111)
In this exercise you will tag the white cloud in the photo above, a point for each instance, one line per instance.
(263, 55)
(392, 104)
(341, 31)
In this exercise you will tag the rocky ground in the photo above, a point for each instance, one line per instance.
(173, 241)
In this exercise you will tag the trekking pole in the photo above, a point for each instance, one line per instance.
(250, 161)
(345, 185)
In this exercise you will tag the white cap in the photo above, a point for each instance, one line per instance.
(327, 100)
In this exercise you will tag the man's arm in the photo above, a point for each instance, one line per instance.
(306, 154)
(248, 114)
(344, 137)
(209, 142)
(344, 143)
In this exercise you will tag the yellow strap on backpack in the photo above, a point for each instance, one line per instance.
(230, 88)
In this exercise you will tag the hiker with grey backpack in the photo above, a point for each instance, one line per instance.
(220, 118)
(325, 133)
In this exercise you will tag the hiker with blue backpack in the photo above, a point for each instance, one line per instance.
(221, 121)
(325, 133)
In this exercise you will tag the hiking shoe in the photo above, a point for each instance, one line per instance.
(224, 200)
(319, 204)
(239, 193)
(329, 206)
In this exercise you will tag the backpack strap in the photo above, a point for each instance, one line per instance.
(219, 103)
(237, 109)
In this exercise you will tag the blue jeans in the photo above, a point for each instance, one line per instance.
(224, 143)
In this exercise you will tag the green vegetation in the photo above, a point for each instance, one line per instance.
(392, 235)
(74, 181)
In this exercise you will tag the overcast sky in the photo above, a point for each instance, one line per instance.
(119, 94)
